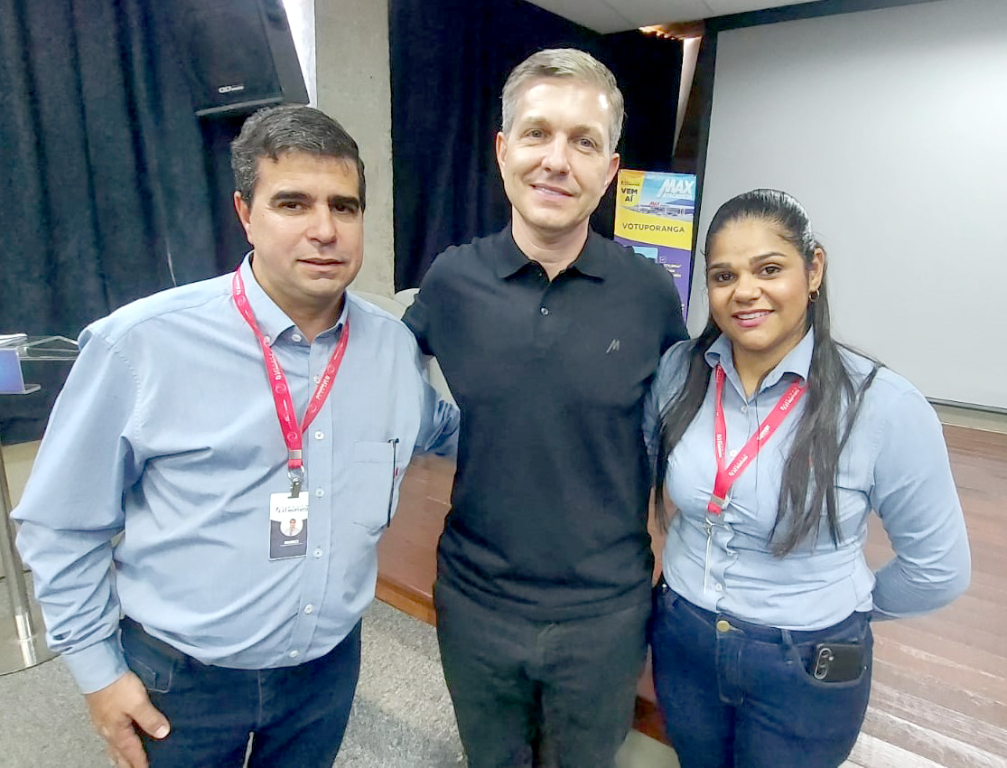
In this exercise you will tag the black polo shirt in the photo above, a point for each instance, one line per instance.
(549, 507)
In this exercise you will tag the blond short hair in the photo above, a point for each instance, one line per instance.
(564, 63)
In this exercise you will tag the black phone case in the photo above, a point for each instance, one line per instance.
(837, 662)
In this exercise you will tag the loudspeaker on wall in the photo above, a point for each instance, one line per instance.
(238, 55)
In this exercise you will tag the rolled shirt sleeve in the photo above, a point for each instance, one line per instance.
(440, 421)
(439, 430)
(914, 495)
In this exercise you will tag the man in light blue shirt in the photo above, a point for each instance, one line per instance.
(218, 470)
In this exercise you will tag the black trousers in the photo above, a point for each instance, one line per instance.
(538, 693)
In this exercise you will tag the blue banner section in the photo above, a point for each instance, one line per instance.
(654, 216)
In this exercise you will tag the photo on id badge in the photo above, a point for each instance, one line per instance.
(288, 526)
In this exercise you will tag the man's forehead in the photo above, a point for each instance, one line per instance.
(536, 99)
(593, 91)
(293, 169)
(531, 118)
(296, 158)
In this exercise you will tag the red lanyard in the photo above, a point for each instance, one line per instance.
(727, 475)
(292, 433)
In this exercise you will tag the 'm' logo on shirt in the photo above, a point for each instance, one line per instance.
(613, 347)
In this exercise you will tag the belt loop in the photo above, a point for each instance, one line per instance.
(786, 638)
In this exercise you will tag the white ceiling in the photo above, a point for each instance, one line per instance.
(619, 15)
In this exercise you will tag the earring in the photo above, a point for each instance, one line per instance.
(813, 296)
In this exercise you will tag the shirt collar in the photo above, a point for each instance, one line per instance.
(796, 362)
(592, 261)
(272, 320)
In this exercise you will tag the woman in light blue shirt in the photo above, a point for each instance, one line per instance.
(774, 443)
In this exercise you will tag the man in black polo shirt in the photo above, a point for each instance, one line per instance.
(548, 336)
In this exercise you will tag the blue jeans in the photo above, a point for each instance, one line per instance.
(739, 695)
(298, 714)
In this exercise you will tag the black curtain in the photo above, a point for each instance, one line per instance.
(449, 60)
(218, 133)
(105, 197)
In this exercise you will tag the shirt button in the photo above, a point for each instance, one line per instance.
(316, 378)
(319, 435)
(267, 339)
(718, 587)
(294, 654)
(317, 553)
(544, 311)
(296, 337)
(319, 492)
(309, 608)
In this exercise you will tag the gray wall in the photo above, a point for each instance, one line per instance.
(891, 127)
(351, 55)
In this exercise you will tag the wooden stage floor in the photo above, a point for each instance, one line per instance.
(939, 695)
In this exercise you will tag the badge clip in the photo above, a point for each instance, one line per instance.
(296, 481)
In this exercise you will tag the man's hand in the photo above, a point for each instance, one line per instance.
(114, 710)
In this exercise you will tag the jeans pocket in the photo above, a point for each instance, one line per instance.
(826, 710)
(155, 670)
(663, 608)
(808, 661)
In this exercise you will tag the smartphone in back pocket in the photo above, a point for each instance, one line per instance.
(837, 662)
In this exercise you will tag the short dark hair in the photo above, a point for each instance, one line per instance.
(274, 131)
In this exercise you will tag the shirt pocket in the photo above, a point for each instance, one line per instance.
(372, 483)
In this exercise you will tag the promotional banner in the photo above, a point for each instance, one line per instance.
(653, 216)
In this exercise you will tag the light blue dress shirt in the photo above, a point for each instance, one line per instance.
(150, 491)
(895, 463)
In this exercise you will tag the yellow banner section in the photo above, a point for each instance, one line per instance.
(630, 187)
(647, 228)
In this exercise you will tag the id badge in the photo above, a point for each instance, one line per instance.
(288, 526)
